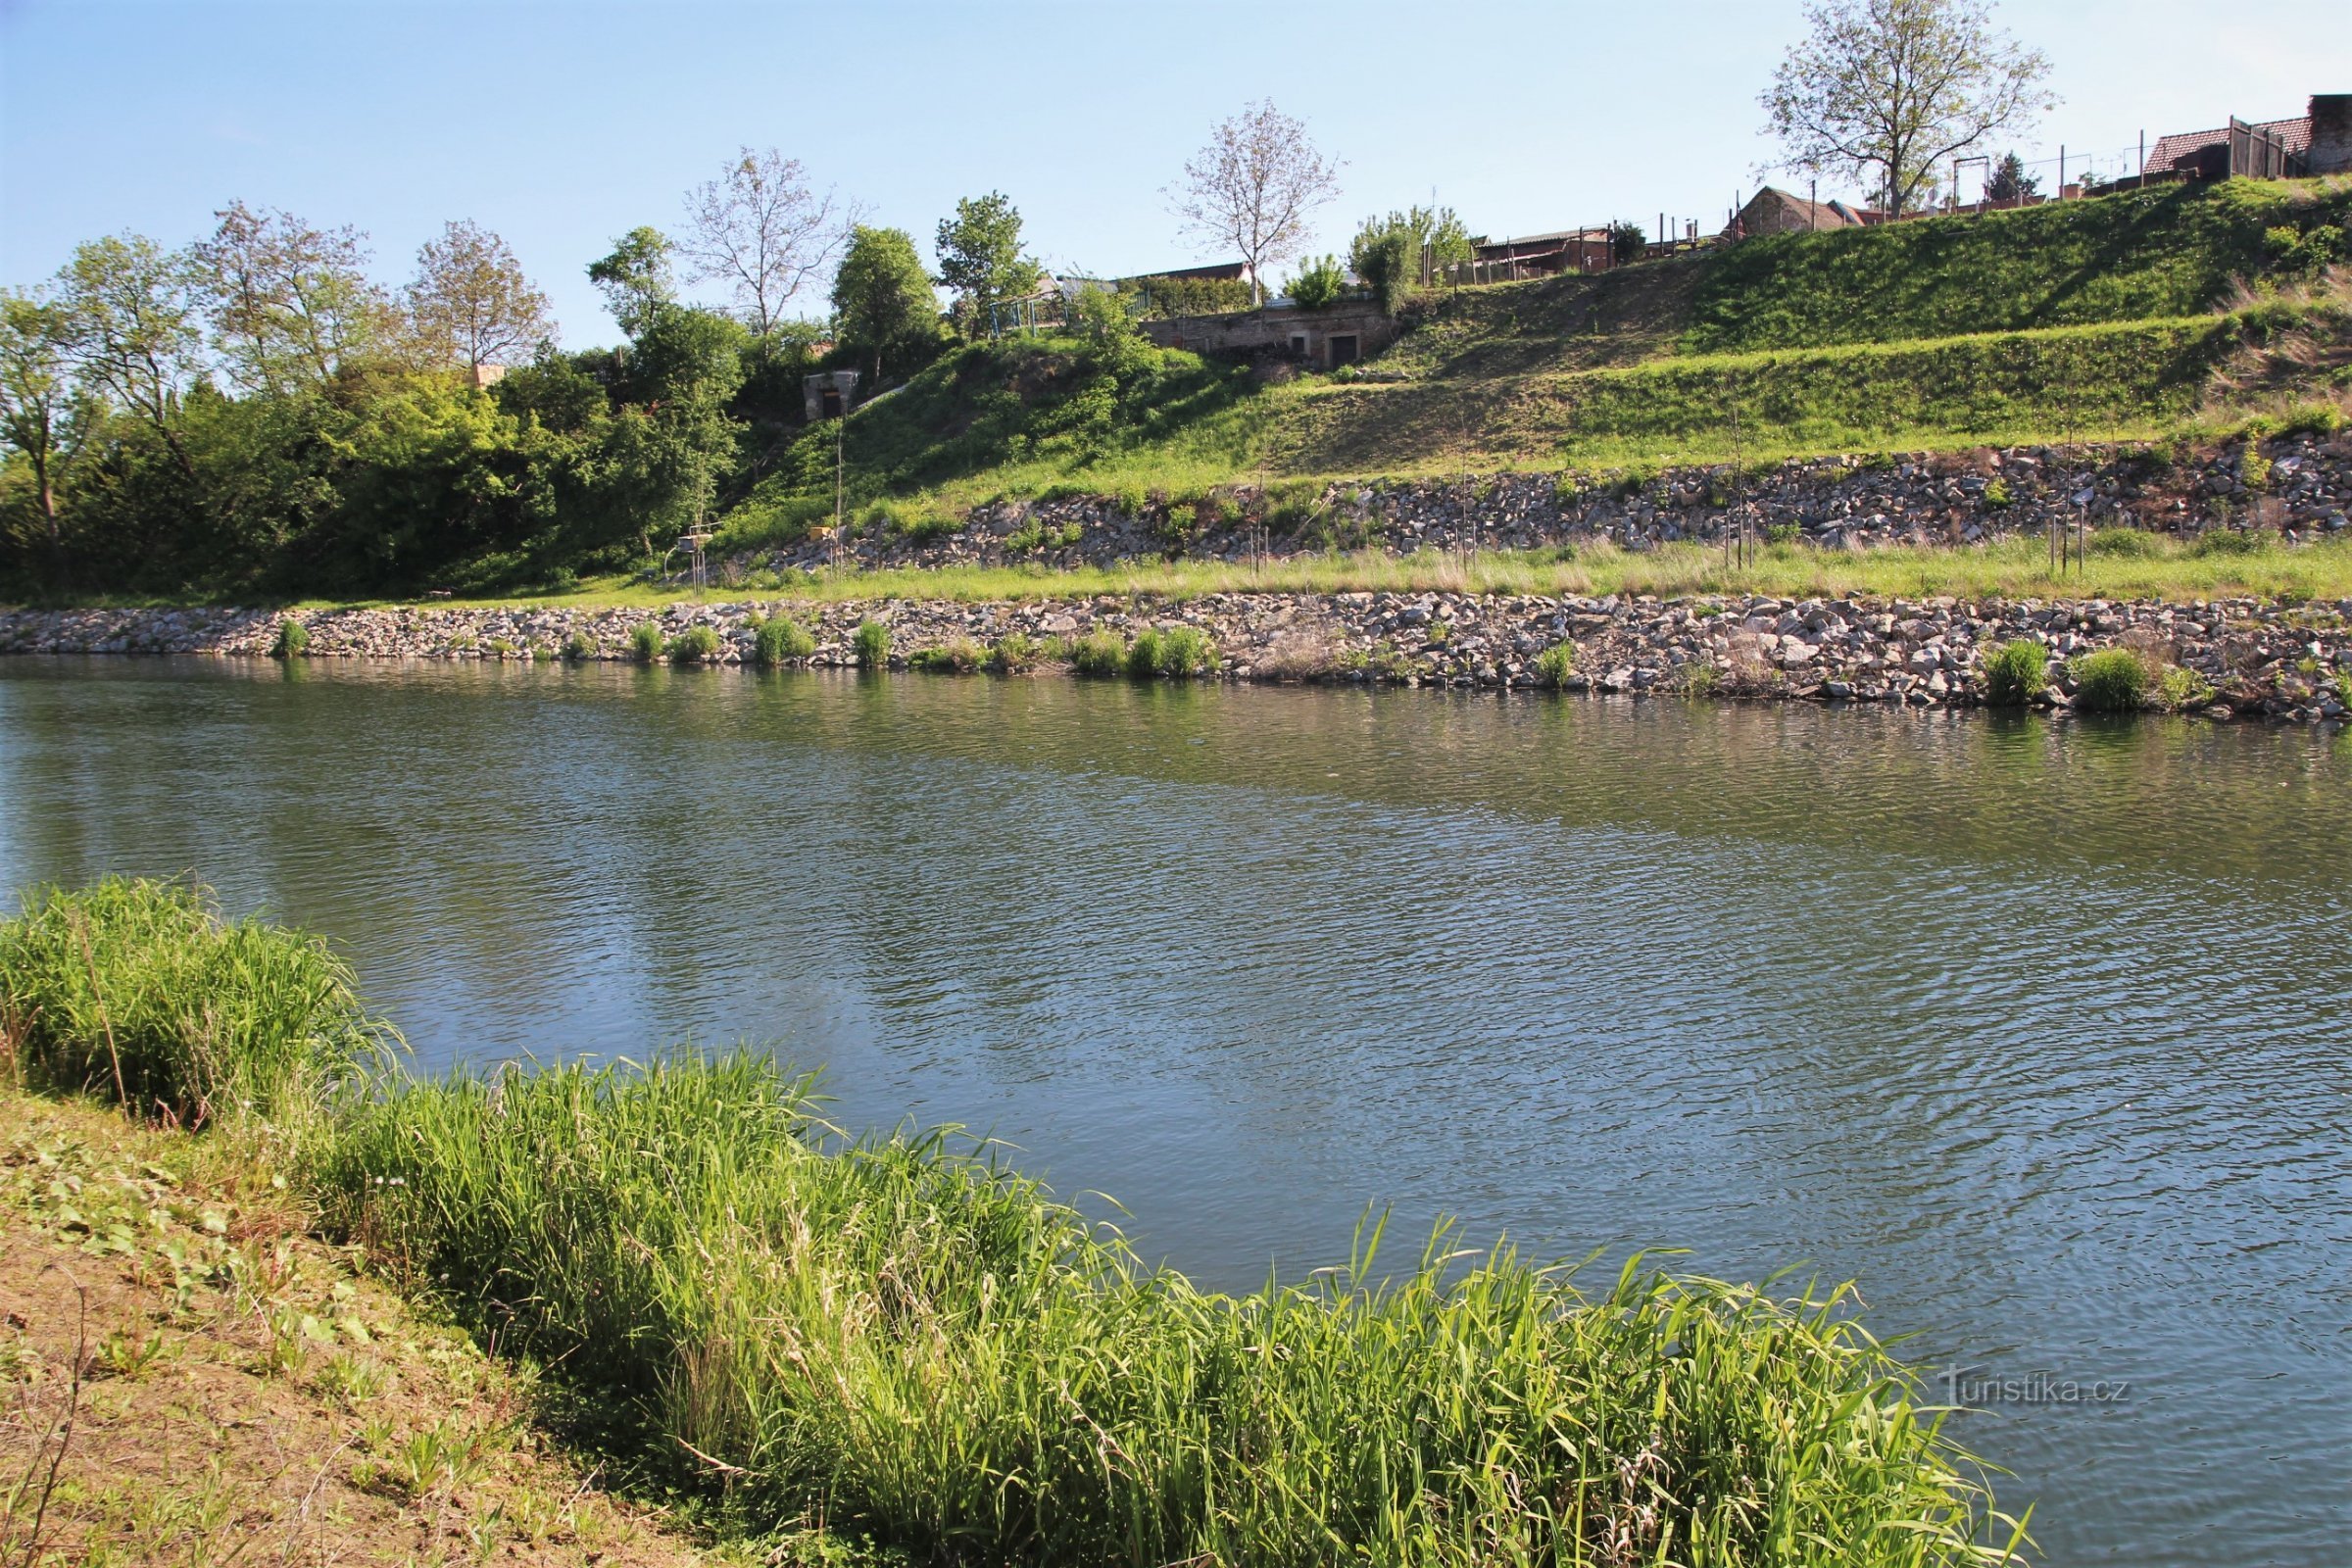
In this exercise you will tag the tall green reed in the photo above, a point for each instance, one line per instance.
(140, 990)
(921, 1343)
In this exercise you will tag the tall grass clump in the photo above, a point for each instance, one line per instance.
(2016, 672)
(1099, 653)
(696, 644)
(871, 643)
(292, 638)
(644, 641)
(780, 640)
(2113, 681)
(140, 991)
(1176, 652)
(1554, 665)
(924, 1349)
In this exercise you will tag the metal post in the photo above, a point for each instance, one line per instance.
(2062, 171)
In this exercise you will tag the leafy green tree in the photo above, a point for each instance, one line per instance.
(138, 336)
(683, 370)
(291, 306)
(980, 258)
(1890, 90)
(37, 340)
(1389, 252)
(470, 303)
(1319, 284)
(637, 278)
(882, 301)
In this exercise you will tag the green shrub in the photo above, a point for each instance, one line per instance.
(1554, 665)
(499, 648)
(2016, 672)
(1176, 652)
(1014, 652)
(542, 654)
(645, 641)
(292, 638)
(2227, 541)
(2113, 681)
(579, 648)
(696, 644)
(959, 656)
(1782, 533)
(140, 991)
(871, 644)
(1998, 495)
(2254, 468)
(2179, 689)
(2131, 542)
(1099, 653)
(1320, 282)
(779, 640)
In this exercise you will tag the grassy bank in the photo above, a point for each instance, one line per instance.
(922, 1347)
(2131, 565)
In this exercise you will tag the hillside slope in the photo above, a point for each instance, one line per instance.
(2100, 318)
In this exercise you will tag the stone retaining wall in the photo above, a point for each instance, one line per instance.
(2229, 658)
(1839, 503)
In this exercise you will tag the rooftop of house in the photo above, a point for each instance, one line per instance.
(2294, 134)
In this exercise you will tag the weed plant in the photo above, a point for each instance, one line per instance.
(1099, 654)
(2112, 680)
(2016, 672)
(644, 641)
(696, 644)
(140, 991)
(1554, 665)
(871, 643)
(292, 638)
(780, 640)
(1177, 653)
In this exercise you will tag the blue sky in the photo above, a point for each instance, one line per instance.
(560, 125)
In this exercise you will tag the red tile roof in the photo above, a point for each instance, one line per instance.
(2294, 134)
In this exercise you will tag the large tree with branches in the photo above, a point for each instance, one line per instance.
(1253, 187)
(763, 230)
(472, 304)
(1887, 90)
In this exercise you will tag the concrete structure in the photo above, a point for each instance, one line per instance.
(2330, 147)
(1327, 339)
(828, 394)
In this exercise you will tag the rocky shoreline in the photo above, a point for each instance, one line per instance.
(2226, 658)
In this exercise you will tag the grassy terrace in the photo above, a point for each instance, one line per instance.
(923, 1351)
(2126, 567)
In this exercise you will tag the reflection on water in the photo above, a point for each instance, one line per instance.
(2043, 1033)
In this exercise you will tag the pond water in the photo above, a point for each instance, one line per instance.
(2041, 1032)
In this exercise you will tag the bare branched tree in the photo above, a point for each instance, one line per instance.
(1889, 89)
(472, 304)
(1253, 187)
(291, 305)
(760, 229)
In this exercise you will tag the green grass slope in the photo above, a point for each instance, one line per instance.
(2168, 251)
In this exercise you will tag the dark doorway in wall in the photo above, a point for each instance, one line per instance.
(1343, 349)
(830, 403)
